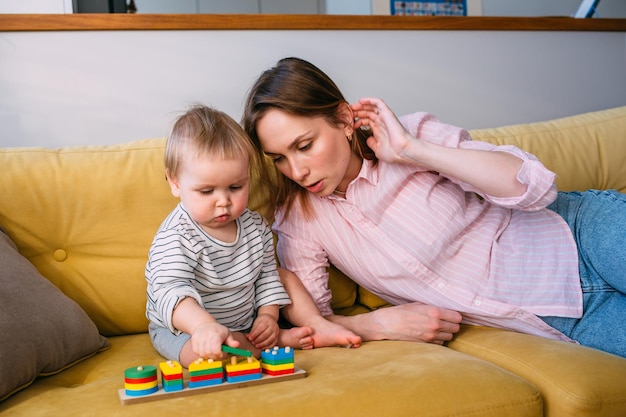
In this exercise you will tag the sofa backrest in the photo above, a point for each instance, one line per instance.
(586, 151)
(86, 216)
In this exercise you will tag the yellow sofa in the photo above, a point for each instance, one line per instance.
(85, 218)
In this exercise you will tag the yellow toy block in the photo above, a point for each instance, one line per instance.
(200, 365)
(277, 368)
(171, 369)
(140, 387)
(238, 364)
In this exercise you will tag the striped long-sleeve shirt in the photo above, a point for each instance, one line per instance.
(410, 235)
(231, 280)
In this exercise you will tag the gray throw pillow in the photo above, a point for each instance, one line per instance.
(43, 331)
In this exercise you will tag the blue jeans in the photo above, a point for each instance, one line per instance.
(598, 222)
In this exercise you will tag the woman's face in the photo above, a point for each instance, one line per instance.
(308, 150)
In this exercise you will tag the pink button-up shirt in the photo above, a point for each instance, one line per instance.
(410, 235)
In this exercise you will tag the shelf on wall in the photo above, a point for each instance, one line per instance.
(116, 21)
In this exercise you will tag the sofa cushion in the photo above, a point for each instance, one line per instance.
(85, 217)
(386, 378)
(574, 380)
(586, 151)
(43, 331)
(343, 288)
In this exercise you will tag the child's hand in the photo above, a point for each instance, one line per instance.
(264, 333)
(207, 340)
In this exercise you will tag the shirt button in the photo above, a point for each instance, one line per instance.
(478, 302)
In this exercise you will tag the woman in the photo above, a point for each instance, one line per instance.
(418, 213)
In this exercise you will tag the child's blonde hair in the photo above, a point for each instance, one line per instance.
(206, 131)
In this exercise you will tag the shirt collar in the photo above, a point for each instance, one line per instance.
(368, 173)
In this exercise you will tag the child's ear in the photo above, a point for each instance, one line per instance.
(173, 182)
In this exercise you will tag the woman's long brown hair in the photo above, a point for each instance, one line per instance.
(299, 88)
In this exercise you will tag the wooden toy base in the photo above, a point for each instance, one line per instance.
(162, 394)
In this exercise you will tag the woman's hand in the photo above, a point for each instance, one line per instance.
(414, 322)
(418, 322)
(389, 138)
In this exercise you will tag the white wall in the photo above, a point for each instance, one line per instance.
(231, 6)
(36, 6)
(73, 88)
(350, 7)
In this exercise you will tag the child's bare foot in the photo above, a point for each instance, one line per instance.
(296, 337)
(328, 334)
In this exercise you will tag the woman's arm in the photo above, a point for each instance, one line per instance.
(414, 322)
(493, 173)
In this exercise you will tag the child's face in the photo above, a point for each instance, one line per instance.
(213, 190)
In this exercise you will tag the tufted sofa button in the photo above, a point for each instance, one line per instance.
(59, 255)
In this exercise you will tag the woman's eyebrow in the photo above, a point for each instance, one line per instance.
(293, 144)
(297, 139)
